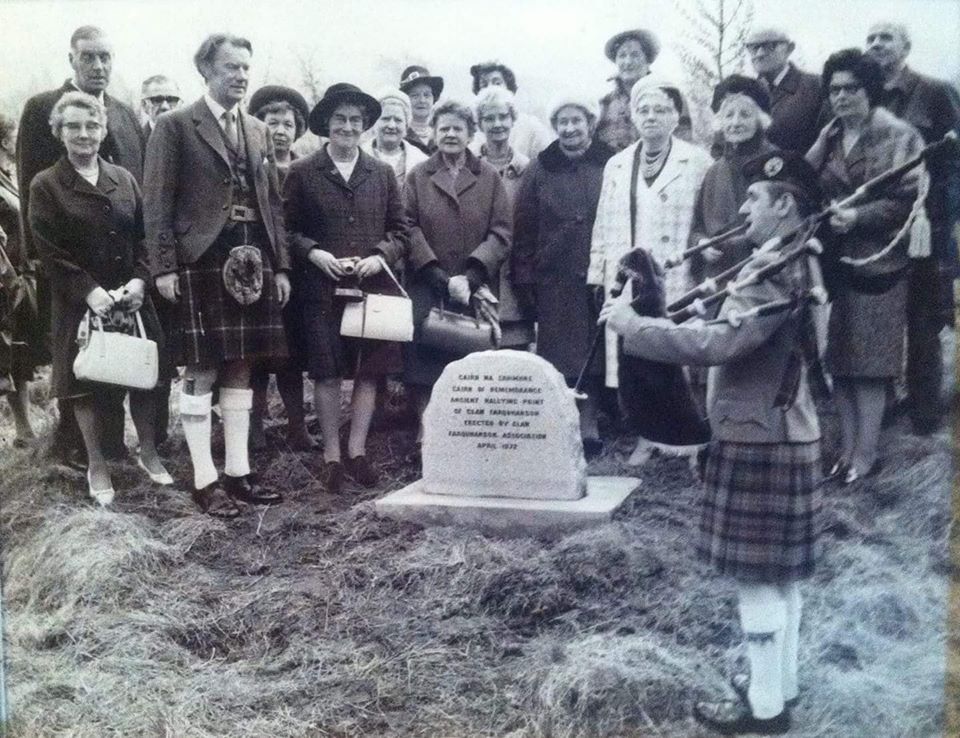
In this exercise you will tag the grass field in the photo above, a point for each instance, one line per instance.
(317, 618)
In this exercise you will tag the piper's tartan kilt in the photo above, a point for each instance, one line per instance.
(759, 521)
(215, 328)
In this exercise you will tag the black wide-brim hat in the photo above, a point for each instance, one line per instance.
(277, 93)
(648, 41)
(738, 84)
(338, 94)
(418, 75)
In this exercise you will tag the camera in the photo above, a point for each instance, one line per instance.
(348, 288)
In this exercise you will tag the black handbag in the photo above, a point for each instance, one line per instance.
(455, 333)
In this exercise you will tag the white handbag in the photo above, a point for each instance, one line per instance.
(381, 317)
(116, 358)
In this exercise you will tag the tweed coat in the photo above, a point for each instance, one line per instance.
(87, 236)
(868, 317)
(37, 148)
(361, 217)
(553, 222)
(664, 215)
(451, 225)
(188, 188)
(796, 106)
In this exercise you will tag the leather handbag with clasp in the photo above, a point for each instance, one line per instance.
(115, 358)
(380, 317)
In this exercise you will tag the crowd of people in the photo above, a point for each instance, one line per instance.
(236, 235)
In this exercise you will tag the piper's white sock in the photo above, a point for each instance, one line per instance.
(195, 418)
(763, 616)
(791, 640)
(235, 407)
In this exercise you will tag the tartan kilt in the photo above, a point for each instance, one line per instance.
(759, 522)
(215, 328)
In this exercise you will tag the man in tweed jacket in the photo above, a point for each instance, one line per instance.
(763, 469)
(212, 214)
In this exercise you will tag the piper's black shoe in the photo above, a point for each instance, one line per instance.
(741, 685)
(247, 490)
(214, 501)
(729, 717)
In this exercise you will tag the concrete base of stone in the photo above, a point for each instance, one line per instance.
(507, 516)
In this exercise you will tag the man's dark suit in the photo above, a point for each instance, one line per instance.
(796, 111)
(187, 187)
(933, 108)
(37, 149)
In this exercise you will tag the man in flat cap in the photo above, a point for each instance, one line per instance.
(758, 519)
(933, 108)
(217, 247)
(795, 97)
(91, 58)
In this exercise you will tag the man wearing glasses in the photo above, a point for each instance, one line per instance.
(795, 96)
(158, 94)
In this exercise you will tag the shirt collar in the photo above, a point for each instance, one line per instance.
(783, 73)
(898, 80)
(99, 95)
(216, 108)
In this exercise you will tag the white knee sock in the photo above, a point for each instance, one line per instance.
(195, 418)
(763, 616)
(235, 407)
(791, 640)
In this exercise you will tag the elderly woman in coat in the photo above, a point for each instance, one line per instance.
(86, 216)
(461, 232)
(496, 116)
(388, 142)
(865, 342)
(344, 214)
(285, 112)
(647, 201)
(554, 215)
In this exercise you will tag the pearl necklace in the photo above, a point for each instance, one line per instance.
(652, 163)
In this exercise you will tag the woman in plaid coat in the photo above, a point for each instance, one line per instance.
(758, 523)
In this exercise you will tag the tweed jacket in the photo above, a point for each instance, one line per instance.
(37, 148)
(188, 188)
(885, 142)
(450, 224)
(795, 106)
(749, 362)
(357, 218)
(664, 218)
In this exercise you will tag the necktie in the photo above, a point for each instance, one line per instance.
(230, 128)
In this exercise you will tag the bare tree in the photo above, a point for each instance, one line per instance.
(311, 74)
(712, 48)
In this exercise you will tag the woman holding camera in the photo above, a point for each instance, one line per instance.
(345, 217)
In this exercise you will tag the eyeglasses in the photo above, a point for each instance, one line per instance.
(755, 46)
(91, 126)
(160, 99)
(851, 88)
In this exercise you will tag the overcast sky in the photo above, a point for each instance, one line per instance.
(549, 43)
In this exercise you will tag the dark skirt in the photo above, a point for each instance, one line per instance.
(867, 333)
(332, 356)
(759, 518)
(567, 324)
(215, 328)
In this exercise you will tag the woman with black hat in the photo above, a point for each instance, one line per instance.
(285, 112)
(423, 90)
(345, 218)
(741, 109)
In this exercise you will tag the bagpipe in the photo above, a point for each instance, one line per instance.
(656, 397)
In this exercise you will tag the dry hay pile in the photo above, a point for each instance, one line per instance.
(320, 619)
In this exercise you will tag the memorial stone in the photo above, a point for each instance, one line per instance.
(503, 424)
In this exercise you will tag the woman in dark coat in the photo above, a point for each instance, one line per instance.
(343, 211)
(86, 216)
(285, 112)
(865, 342)
(553, 223)
(461, 231)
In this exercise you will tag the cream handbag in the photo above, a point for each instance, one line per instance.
(115, 358)
(380, 317)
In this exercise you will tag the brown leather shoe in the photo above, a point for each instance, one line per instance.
(214, 501)
(246, 489)
(362, 473)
